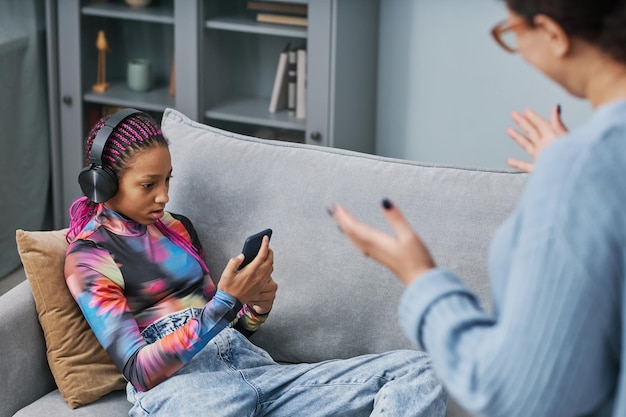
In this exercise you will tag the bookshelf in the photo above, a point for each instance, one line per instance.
(225, 63)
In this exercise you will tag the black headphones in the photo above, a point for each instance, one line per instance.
(98, 182)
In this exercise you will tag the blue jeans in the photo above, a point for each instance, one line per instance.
(233, 377)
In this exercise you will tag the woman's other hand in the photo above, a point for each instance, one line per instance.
(404, 254)
(253, 283)
(537, 134)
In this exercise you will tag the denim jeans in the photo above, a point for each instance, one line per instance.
(231, 377)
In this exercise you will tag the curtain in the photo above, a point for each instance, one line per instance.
(24, 128)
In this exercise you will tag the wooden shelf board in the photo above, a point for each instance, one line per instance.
(122, 11)
(254, 111)
(157, 99)
(242, 24)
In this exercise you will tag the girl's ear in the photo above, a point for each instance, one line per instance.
(557, 40)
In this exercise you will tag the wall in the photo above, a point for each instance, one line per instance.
(446, 89)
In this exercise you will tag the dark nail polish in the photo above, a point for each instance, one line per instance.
(330, 210)
(558, 109)
(387, 204)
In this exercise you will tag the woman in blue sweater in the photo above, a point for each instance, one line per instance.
(554, 343)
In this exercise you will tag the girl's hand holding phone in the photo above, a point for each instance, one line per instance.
(253, 283)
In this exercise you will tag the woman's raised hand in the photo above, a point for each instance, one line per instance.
(404, 254)
(537, 134)
(252, 285)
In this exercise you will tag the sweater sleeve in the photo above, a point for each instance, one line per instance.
(544, 355)
(96, 284)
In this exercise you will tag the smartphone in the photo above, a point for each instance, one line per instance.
(252, 245)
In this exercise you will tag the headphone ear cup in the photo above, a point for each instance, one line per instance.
(98, 183)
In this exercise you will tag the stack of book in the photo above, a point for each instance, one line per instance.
(281, 13)
(289, 90)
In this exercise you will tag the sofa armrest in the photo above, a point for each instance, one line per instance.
(23, 365)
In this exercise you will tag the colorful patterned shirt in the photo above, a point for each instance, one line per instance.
(125, 275)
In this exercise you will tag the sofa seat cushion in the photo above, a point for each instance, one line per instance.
(53, 404)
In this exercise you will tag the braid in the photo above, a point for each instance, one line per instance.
(91, 136)
(81, 212)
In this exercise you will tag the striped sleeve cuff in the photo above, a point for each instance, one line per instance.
(421, 296)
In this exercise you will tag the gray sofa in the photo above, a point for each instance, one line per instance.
(332, 302)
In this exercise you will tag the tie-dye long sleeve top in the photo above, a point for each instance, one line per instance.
(125, 275)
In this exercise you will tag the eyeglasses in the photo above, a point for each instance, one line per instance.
(502, 33)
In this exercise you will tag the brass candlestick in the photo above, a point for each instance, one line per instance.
(103, 47)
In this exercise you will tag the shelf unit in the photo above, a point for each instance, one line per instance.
(225, 63)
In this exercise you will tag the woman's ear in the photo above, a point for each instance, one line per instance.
(557, 40)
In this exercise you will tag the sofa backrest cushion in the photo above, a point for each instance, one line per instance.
(332, 302)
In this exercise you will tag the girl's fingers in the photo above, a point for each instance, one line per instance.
(233, 264)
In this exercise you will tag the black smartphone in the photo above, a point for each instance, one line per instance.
(252, 245)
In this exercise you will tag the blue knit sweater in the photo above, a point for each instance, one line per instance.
(553, 345)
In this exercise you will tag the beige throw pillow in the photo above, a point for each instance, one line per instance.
(82, 369)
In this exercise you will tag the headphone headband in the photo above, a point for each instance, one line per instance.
(97, 147)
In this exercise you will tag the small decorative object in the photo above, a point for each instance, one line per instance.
(139, 75)
(103, 47)
(138, 4)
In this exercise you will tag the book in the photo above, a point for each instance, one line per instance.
(278, 101)
(287, 8)
(282, 19)
(301, 86)
(291, 79)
